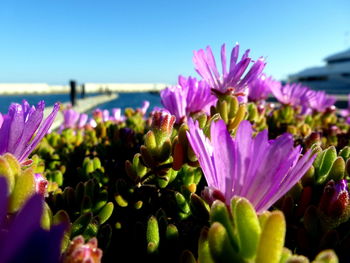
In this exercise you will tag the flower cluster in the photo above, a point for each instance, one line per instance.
(218, 173)
(73, 119)
(296, 94)
(320, 100)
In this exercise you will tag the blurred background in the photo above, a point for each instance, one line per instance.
(126, 46)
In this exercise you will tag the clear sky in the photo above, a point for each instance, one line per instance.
(153, 41)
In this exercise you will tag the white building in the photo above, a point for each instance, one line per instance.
(334, 77)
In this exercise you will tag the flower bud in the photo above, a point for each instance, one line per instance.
(330, 109)
(314, 137)
(333, 130)
(80, 252)
(335, 202)
(162, 126)
(41, 184)
(163, 121)
(210, 195)
(97, 115)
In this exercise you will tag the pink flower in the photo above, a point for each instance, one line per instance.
(232, 80)
(252, 167)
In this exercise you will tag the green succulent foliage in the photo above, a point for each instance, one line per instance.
(92, 168)
(92, 197)
(256, 116)
(135, 120)
(109, 200)
(287, 118)
(240, 235)
(228, 109)
(137, 188)
(329, 165)
(317, 215)
(21, 181)
(86, 208)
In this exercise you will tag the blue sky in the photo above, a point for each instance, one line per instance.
(153, 41)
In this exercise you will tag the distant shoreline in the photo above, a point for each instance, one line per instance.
(44, 88)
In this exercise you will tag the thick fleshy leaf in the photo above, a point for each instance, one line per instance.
(25, 186)
(204, 255)
(272, 239)
(6, 172)
(152, 235)
(219, 213)
(220, 246)
(248, 228)
(328, 158)
(106, 212)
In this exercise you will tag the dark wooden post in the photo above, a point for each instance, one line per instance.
(73, 92)
(82, 91)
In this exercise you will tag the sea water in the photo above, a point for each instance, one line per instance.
(124, 100)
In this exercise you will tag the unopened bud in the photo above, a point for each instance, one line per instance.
(41, 185)
(333, 130)
(335, 202)
(97, 115)
(78, 251)
(314, 137)
(211, 194)
(163, 121)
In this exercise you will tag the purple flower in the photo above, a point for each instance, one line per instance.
(116, 115)
(173, 99)
(82, 120)
(70, 118)
(291, 94)
(345, 113)
(320, 100)
(19, 126)
(1, 119)
(198, 97)
(105, 114)
(22, 239)
(260, 88)
(73, 119)
(255, 168)
(92, 123)
(145, 106)
(231, 80)
(189, 96)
